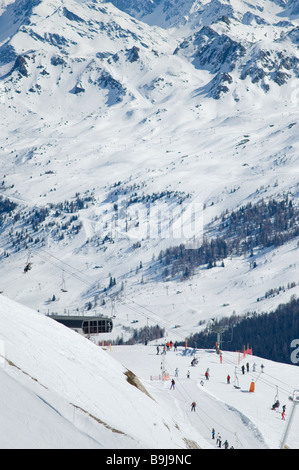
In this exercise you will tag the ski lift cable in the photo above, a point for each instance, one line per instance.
(47, 259)
(64, 269)
(253, 376)
(154, 320)
(61, 261)
(89, 283)
(71, 273)
(261, 378)
(266, 382)
(283, 390)
(268, 375)
(161, 323)
(68, 272)
(278, 380)
(153, 313)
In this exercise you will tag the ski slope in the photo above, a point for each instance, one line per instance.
(164, 133)
(245, 419)
(60, 390)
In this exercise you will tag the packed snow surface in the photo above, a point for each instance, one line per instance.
(60, 390)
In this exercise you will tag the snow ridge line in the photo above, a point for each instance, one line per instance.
(98, 420)
(12, 364)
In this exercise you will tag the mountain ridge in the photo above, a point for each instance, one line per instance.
(106, 116)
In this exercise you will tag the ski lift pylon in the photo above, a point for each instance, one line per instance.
(236, 381)
(113, 314)
(63, 285)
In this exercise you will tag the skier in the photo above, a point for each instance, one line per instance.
(188, 374)
(213, 433)
(253, 367)
(207, 374)
(243, 369)
(193, 406)
(228, 379)
(275, 405)
(172, 384)
(225, 444)
(176, 372)
(247, 366)
(283, 412)
(158, 350)
(218, 441)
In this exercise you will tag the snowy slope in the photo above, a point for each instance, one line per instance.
(63, 391)
(97, 102)
(245, 419)
(59, 390)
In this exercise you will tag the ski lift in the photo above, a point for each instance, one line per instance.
(28, 265)
(63, 285)
(276, 403)
(236, 381)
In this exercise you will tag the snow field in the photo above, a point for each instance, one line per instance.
(245, 419)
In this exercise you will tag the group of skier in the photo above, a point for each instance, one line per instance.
(219, 443)
(167, 347)
(219, 440)
(276, 405)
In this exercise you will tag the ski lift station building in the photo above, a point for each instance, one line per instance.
(85, 325)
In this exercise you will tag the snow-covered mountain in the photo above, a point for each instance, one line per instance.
(61, 391)
(117, 116)
(72, 395)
